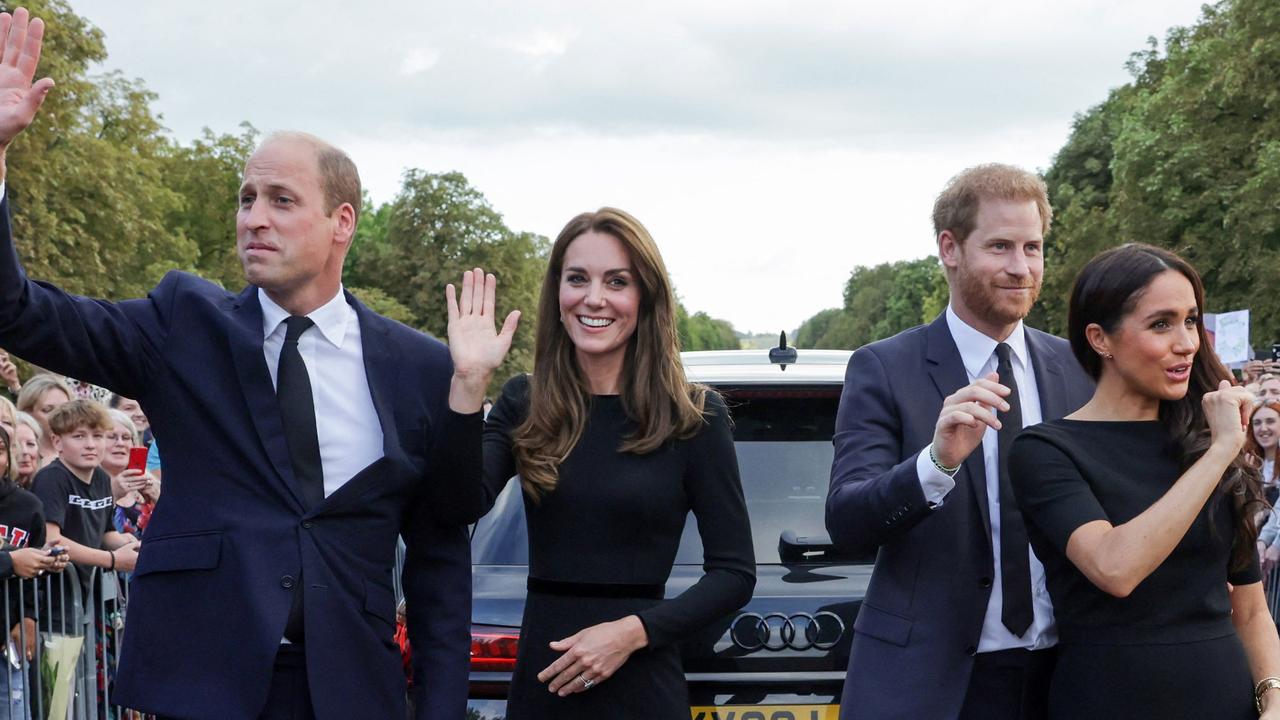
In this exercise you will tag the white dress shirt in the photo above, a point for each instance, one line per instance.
(978, 353)
(346, 422)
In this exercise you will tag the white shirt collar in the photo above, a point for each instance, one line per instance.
(331, 318)
(976, 348)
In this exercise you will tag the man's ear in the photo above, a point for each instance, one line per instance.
(345, 227)
(949, 250)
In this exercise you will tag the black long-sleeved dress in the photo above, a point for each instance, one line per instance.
(602, 545)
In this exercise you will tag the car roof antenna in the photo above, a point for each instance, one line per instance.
(782, 355)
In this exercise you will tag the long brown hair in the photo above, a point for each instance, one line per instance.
(1251, 445)
(653, 389)
(1107, 289)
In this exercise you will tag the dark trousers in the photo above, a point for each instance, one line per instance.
(1009, 685)
(290, 695)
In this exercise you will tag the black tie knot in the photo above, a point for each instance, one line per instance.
(294, 326)
(1002, 355)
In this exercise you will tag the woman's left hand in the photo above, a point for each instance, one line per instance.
(593, 655)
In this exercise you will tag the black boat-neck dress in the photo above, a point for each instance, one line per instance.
(602, 544)
(1169, 649)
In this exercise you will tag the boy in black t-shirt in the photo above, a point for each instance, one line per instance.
(76, 493)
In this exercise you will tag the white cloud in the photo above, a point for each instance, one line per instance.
(419, 60)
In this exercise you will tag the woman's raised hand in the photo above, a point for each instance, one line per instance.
(1227, 411)
(475, 343)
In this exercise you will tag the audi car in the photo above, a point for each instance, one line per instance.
(783, 655)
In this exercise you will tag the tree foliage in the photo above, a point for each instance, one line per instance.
(700, 331)
(1187, 157)
(879, 301)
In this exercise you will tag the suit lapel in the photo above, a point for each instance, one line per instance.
(245, 338)
(1050, 380)
(381, 370)
(946, 368)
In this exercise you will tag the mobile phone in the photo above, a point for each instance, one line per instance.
(138, 459)
(57, 550)
(1275, 351)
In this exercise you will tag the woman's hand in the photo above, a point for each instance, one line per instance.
(476, 347)
(1227, 411)
(130, 480)
(593, 655)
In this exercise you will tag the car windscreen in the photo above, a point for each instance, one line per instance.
(782, 434)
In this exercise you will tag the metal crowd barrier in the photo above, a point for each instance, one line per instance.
(1271, 587)
(78, 618)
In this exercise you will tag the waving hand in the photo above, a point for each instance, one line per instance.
(19, 55)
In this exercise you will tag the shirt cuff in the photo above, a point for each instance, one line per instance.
(933, 482)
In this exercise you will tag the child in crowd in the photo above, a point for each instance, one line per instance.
(76, 493)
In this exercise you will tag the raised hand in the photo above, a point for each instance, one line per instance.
(965, 417)
(476, 346)
(1227, 411)
(19, 56)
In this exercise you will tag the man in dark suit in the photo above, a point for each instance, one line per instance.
(956, 622)
(302, 434)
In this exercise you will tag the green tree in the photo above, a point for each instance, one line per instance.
(1187, 157)
(437, 227)
(86, 180)
(879, 301)
(206, 175)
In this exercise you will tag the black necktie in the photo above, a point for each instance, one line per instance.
(298, 410)
(1015, 565)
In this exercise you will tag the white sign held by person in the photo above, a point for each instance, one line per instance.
(1229, 333)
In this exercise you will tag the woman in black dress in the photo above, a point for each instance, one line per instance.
(614, 448)
(1141, 506)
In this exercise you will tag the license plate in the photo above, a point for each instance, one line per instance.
(766, 712)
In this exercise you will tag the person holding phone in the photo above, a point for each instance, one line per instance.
(134, 489)
(1143, 506)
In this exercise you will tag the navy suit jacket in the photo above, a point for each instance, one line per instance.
(918, 628)
(230, 537)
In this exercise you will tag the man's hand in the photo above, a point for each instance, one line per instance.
(476, 347)
(965, 417)
(19, 56)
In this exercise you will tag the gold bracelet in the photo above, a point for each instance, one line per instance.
(1264, 685)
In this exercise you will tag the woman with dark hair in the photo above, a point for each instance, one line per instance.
(1142, 507)
(614, 447)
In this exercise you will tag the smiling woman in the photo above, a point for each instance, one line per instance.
(615, 448)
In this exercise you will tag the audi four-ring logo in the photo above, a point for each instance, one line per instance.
(779, 631)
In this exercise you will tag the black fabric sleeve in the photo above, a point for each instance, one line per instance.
(715, 496)
(51, 487)
(1052, 494)
(455, 458)
(6, 563)
(504, 417)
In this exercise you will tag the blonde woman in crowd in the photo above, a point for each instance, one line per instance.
(40, 396)
(26, 449)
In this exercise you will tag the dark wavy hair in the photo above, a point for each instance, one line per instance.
(1106, 290)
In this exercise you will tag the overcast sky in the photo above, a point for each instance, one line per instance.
(769, 147)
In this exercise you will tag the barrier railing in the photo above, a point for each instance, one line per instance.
(62, 632)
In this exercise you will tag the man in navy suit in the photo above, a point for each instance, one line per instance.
(302, 434)
(956, 622)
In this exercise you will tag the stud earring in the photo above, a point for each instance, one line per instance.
(1108, 356)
